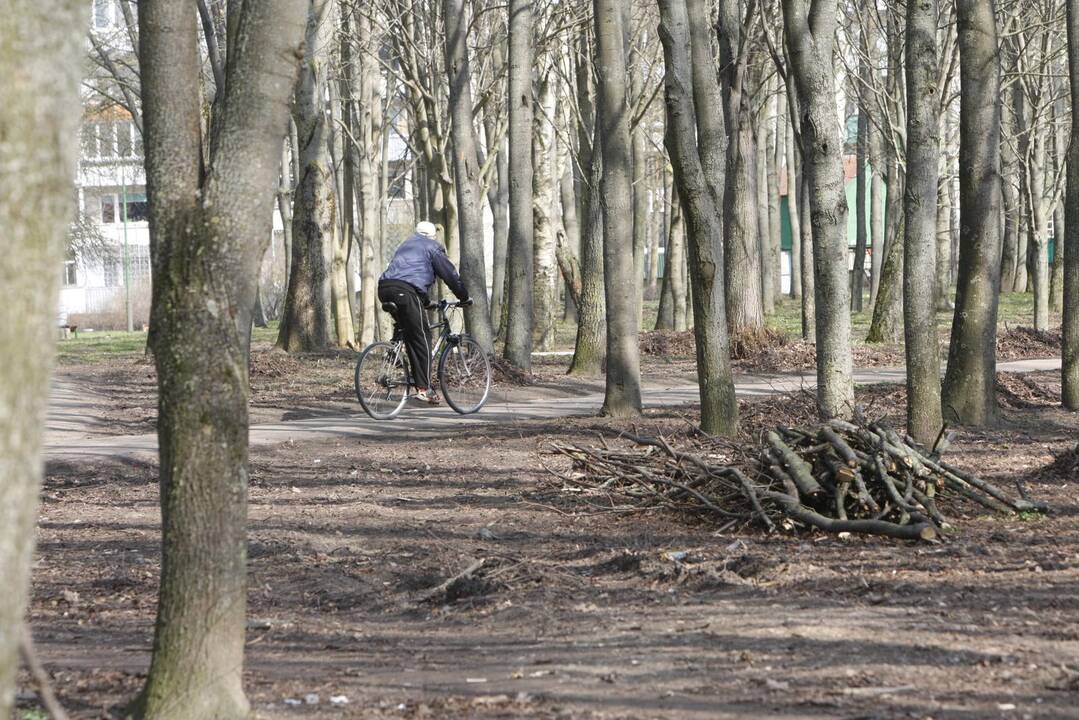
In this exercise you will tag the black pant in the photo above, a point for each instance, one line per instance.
(412, 319)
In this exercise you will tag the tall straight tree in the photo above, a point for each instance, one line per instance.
(920, 209)
(209, 225)
(519, 255)
(466, 173)
(1070, 369)
(741, 233)
(719, 409)
(623, 387)
(810, 27)
(307, 321)
(969, 393)
(41, 46)
(590, 347)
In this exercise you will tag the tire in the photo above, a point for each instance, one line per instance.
(382, 380)
(464, 374)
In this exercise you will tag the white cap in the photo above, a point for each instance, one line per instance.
(426, 229)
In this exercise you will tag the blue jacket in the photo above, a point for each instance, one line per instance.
(418, 261)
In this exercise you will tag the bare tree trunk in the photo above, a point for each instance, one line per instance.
(544, 263)
(1060, 149)
(1040, 214)
(591, 343)
(776, 141)
(689, 85)
(741, 235)
(861, 182)
(518, 348)
(1009, 178)
(809, 296)
(969, 394)
(672, 275)
(200, 332)
(498, 198)
(764, 218)
(467, 173)
(41, 62)
(877, 203)
(659, 195)
(887, 323)
(623, 387)
(307, 319)
(810, 31)
(920, 212)
(368, 118)
(571, 227)
(942, 286)
(794, 214)
(1070, 367)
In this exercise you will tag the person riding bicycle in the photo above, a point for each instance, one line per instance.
(407, 283)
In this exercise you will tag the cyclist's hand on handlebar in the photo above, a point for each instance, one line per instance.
(467, 302)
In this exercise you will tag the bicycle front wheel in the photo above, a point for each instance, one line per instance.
(464, 373)
(382, 380)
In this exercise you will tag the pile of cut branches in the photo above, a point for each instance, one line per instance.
(860, 477)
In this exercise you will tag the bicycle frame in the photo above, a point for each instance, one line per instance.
(445, 336)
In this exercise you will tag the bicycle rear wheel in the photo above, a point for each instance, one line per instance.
(382, 380)
(464, 373)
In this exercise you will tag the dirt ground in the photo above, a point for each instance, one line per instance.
(580, 610)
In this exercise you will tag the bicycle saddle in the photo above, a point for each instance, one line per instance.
(390, 307)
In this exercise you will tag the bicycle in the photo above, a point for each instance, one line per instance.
(383, 378)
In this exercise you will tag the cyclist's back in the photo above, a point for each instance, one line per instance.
(407, 283)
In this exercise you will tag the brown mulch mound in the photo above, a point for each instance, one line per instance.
(503, 371)
(660, 343)
(1021, 391)
(764, 350)
(1064, 467)
(274, 364)
(1020, 343)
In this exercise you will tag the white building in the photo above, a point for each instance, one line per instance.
(111, 191)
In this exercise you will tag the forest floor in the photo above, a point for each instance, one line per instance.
(580, 611)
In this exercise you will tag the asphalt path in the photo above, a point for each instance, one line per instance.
(74, 431)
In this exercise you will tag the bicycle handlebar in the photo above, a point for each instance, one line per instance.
(444, 304)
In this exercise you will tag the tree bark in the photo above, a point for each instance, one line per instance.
(41, 63)
(810, 31)
(1009, 178)
(591, 343)
(794, 213)
(887, 323)
(210, 226)
(776, 140)
(969, 394)
(467, 174)
(1070, 329)
(518, 348)
(498, 199)
(623, 387)
(877, 203)
(861, 182)
(920, 218)
(764, 217)
(687, 87)
(1060, 149)
(307, 320)
(368, 113)
(741, 234)
(544, 193)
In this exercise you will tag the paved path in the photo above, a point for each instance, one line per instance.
(73, 431)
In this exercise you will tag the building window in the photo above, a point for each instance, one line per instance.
(71, 272)
(138, 210)
(139, 257)
(108, 209)
(104, 14)
(112, 273)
